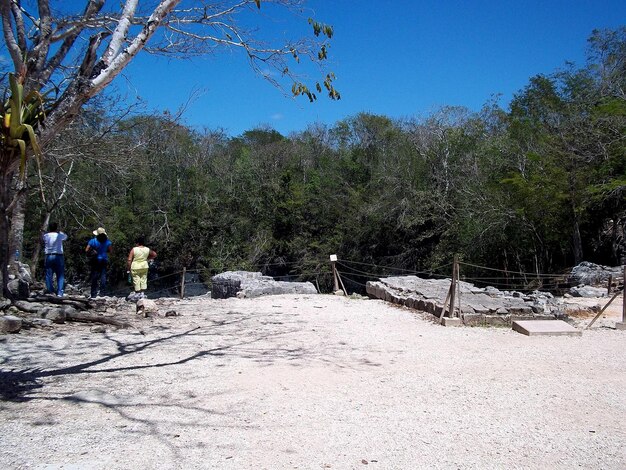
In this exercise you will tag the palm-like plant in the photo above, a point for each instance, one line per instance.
(19, 116)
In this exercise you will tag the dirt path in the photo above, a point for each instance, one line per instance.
(310, 382)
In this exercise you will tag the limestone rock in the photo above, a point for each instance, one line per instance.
(480, 306)
(244, 284)
(147, 307)
(588, 291)
(19, 288)
(69, 310)
(42, 322)
(592, 274)
(10, 324)
(56, 315)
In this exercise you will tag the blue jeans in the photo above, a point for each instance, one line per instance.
(55, 265)
(98, 275)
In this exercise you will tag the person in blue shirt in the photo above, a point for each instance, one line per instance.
(54, 262)
(98, 249)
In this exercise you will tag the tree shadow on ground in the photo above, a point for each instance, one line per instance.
(22, 384)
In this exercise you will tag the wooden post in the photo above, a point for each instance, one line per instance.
(608, 287)
(335, 281)
(604, 308)
(343, 288)
(333, 259)
(624, 296)
(458, 287)
(182, 283)
(455, 273)
(445, 302)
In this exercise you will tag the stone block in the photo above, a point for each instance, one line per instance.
(620, 325)
(545, 328)
(473, 319)
(543, 317)
(497, 320)
(447, 321)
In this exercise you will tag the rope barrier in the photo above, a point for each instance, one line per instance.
(514, 280)
(351, 280)
(394, 268)
(535, 275)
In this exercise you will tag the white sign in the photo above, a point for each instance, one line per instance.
(333, 257)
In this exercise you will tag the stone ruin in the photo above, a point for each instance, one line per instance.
(245, 284)
(479, 306)
(490, 306)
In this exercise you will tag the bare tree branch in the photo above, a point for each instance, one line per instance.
(11, 42)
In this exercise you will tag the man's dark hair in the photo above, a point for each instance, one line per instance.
(53, 227)
(140, 240)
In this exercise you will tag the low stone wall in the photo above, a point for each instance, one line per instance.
(479, 306)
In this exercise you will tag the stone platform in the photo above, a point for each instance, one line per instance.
(545, 328)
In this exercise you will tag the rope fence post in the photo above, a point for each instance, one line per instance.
(182, 282)
(453, 286)
(622, 325)
(333, 260)
(624, 296)
(452, 293)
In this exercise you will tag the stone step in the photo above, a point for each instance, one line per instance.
(545, 328)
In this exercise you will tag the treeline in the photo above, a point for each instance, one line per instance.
(536, 188)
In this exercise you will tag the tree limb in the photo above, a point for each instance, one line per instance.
(11, 43)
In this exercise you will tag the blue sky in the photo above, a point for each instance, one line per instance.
(399, 58)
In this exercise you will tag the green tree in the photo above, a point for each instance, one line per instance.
(52, 56)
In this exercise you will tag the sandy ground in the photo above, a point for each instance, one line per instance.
(311, 382)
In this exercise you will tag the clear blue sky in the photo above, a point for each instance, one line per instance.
(399, 58)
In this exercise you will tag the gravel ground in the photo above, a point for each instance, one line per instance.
(310, 382)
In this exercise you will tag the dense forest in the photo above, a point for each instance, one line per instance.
(536, 187)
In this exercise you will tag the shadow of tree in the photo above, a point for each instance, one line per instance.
(172, 411)
(18, 385)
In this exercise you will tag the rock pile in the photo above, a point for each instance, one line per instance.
(591, 280)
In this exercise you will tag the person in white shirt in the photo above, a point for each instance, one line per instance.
(55, 262)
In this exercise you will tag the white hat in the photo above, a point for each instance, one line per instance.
(99, 231)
